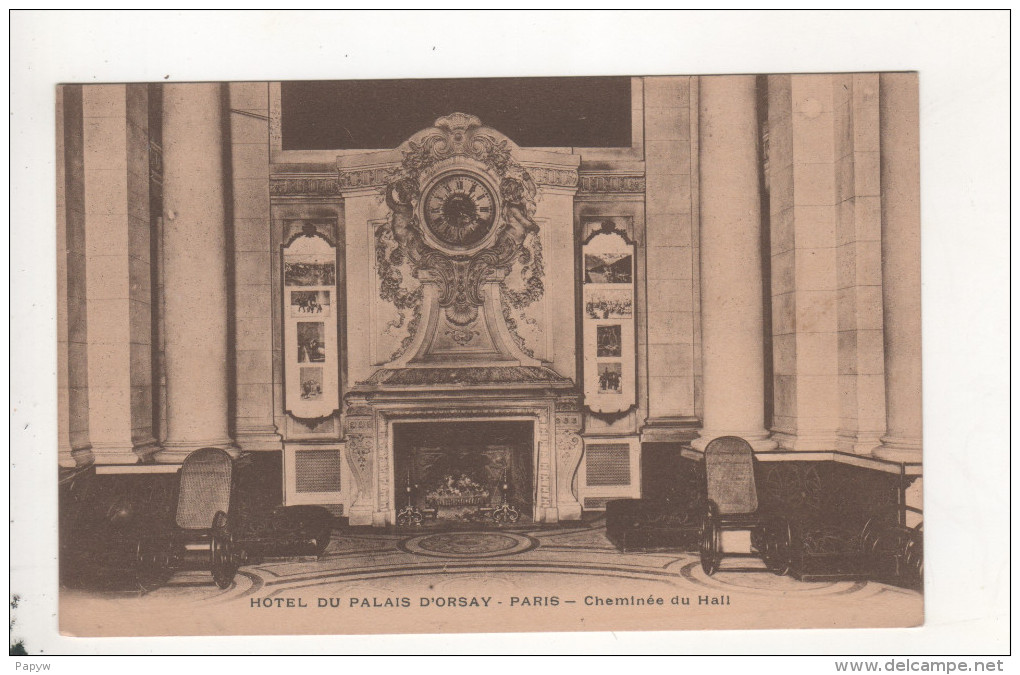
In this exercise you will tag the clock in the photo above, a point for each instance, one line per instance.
(459, 210)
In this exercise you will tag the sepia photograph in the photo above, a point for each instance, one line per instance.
(416, 354)
(303, 303)
(311, 341)
(608, 303)
(309, 272)
(311, 384)
(607, 268)
(610, 377)
(609, 340)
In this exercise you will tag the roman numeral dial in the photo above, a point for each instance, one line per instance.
(459, 210)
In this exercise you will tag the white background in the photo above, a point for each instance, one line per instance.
(964, 76)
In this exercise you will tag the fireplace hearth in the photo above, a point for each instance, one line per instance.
(464, 472)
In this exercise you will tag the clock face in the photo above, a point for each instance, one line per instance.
(459, 210)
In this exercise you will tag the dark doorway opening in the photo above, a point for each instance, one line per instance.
(661, 468)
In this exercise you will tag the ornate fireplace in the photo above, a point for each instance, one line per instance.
(463, 321)
(374, 426)
(464, 471)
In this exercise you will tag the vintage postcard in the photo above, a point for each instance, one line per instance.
(489, 355)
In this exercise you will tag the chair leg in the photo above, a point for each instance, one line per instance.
(777, 544)
(710, 548)
(223, 556)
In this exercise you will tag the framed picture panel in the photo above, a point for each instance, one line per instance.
(310, 326)
(608, 320)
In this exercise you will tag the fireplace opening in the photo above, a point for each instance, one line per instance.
(467, 472)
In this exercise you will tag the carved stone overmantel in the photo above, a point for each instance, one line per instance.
(461, 221)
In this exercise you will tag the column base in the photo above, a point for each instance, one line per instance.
(259, 439)
(74, 458)
(858, 444)
(175, 452)
(805, 441)
(360, 516)
(118, 453)
(569, 510)
(678, 429)
(906, 450)
(547, 514)
(760, 440)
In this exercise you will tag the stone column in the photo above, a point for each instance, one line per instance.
(731, 283)
(901, 265)
(117, 276)
(670, 255)
(72, 323)
(802, 198)
(253, 288)
(859, 263)
(195, 258)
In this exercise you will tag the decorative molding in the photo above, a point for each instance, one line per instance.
(385, 496)
(603, 183)
(461, 337)
(569, 447)
(365, 178)
(307, 227)
(543, 175)
(466, 376)
(317, 187)
(567, 419)
(360, 450)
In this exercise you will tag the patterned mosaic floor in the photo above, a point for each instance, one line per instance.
(533, 578)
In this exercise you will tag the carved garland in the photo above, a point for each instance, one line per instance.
(392, 289)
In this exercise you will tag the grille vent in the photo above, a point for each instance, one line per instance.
(317, 470)
(608, 464)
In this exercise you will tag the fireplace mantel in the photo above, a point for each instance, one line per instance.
(552, 405)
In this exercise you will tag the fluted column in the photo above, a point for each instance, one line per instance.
(195, 270)
(731, 272)
(901, 265)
